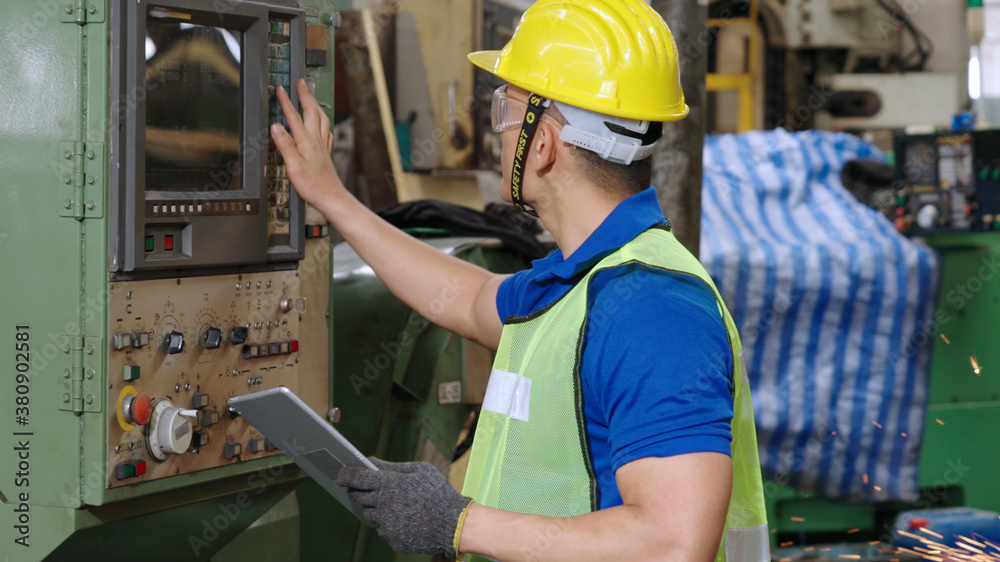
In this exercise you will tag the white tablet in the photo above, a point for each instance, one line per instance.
(312, 443)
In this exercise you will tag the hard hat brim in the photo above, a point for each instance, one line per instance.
(487, 60)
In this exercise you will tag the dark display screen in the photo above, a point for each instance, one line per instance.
(194, 107)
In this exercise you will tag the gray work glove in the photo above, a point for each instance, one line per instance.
(413, 505)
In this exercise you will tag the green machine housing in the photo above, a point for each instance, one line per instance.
(157, 263)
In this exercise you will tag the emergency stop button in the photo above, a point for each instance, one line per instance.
(137, 409)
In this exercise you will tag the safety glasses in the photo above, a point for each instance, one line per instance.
(507, 113)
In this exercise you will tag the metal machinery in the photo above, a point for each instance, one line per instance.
(156, 263)
(844, 64)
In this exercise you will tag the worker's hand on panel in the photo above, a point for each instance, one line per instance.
(416, 509)
(307, 149)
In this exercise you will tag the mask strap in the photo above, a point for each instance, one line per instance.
(536, 106)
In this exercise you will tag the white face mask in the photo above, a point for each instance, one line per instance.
(590, 130)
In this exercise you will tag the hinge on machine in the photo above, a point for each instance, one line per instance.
(80, 386)
(81, 172)
(82, 12)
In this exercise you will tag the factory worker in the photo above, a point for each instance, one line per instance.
(617, 423)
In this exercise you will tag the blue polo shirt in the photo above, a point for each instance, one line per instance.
(656, 367)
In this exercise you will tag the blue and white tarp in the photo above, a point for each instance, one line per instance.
(834, 307)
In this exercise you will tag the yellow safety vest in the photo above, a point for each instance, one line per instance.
(531, 454)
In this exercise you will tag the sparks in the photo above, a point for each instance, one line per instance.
(945, 338)
(789, 543)
(878, 425)
(929, 532)
(798, 519)
(865, 478)
(939, 421)
(853, 531)
(877, 489)
(903, 434)
(975, 364)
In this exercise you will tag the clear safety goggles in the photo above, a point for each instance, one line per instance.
(507, 113)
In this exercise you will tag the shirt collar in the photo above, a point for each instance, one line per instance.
(630, 218)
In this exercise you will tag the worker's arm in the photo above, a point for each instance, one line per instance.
(674, 509)
(451, 293)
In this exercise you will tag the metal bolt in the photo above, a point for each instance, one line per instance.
(91, 180)
(90, 153)
(177, 388)
(67, 179)
(268, 284)
(128, 295)
(66, 348)
(333, 415)
(66, 397)
(90, 399)
(90, 349)
(66, 374)
(91, 373)
(93, 9)
(118, 448)
(67, 155)
(187, 386)
(91, 204)
(67, 204)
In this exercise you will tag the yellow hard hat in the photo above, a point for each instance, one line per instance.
(615, 57)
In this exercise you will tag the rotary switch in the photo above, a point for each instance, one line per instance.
(238, 335)
(212, 338)
(170, 431)
(174, 342)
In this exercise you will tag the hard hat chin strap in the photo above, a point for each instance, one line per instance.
(536, 106)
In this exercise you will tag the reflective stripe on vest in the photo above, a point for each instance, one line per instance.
(531, 453)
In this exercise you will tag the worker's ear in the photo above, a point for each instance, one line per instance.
(546, 142)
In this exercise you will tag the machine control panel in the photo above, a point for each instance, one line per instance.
(180, 348)
(948, 182)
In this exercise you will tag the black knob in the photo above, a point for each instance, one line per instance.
(238, 334)
(212, 338)
(175, 342)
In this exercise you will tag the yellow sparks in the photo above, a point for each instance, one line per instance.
(877, 489)
(853, 531)
(871, 543)
(878, 425)
(852, 556)
(798, 519)
(789, 543)
(773, 531)
(808, 548)
(902, 434)
(975, 364)
(939, 421)
(945, 338)
(970, 541)
(865, 478)
(929, 532)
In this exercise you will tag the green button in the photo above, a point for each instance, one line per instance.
(129, 470)
(130, 372)
(996, 224)
(996, 174)
(901, 200)
(149, 243)
(984, 173)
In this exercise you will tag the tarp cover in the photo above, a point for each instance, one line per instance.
(834, 307)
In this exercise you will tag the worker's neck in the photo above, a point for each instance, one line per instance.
(574, 210)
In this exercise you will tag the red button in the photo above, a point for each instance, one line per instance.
(900, 225)
(294, 346)
(918, 522)
(140, 468)
(900, 211)
(168, 242)
(142, 409)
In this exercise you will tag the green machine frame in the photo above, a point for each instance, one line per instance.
(54, 229)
